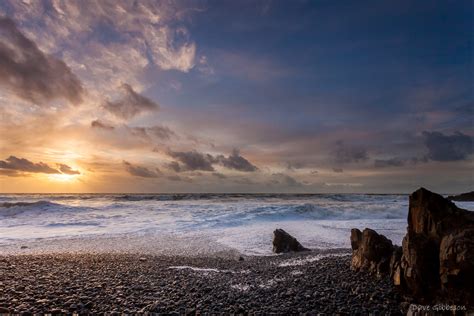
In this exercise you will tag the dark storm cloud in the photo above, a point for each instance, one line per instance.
(237, 162)
(29, 73)
(100, 124)
(193, 160)
(22, 164)
(140, 171)
(130, 104)
(67, 170)
(448, 148)
(349, 154)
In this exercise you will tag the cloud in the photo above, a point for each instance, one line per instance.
(11, 173)
(130, 104)
(237, 162)
(140, 171)
(174, 178)
(174, 166)
(67, 170)
(338, 170)
(32, 75)
(99, 124)
(286, 180)
(349, 154)
(448, 148)
(193, 160)
(152, 28)
(342, 184)
(292, 166)
(392, 162)
(22, 164)
(160, 132)
(399, 162)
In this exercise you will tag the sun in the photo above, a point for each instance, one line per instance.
(63, 177)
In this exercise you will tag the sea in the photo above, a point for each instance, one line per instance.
(194, 223)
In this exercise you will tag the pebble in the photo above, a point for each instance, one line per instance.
(116, 284)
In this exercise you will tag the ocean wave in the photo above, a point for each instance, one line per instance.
(309, 211)
(28, 204)
(84, 223)
(8, 209)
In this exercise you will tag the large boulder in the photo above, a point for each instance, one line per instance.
(434, 216)
(456, 261)
(437, 249)
(436, 261)
(284, 242)
(370, 251)
(419, 266)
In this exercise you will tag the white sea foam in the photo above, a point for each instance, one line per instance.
(306, 260)
(200, 269)
(197, 222)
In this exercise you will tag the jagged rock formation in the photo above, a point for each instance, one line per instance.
(436, 260)
(467, 197)
(371, 251)
(284, 242)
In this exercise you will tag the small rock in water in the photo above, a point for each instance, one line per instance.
(284, 242)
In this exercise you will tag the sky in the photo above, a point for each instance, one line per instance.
(236, 96)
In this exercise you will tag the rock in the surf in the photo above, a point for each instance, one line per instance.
(284, 242)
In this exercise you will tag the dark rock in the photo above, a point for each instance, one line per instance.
(419, 266)
(395, 265)
(284, 242)
(456, 258)
(466, 197)
(438, 249)
(434, 216)
(436, 261)
(371, 251)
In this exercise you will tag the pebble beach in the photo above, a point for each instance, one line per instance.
(109, 284)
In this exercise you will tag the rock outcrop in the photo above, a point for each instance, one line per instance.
(371, 251)
(466, 197)
(284, 242)
(436, 260)
(437, 249)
